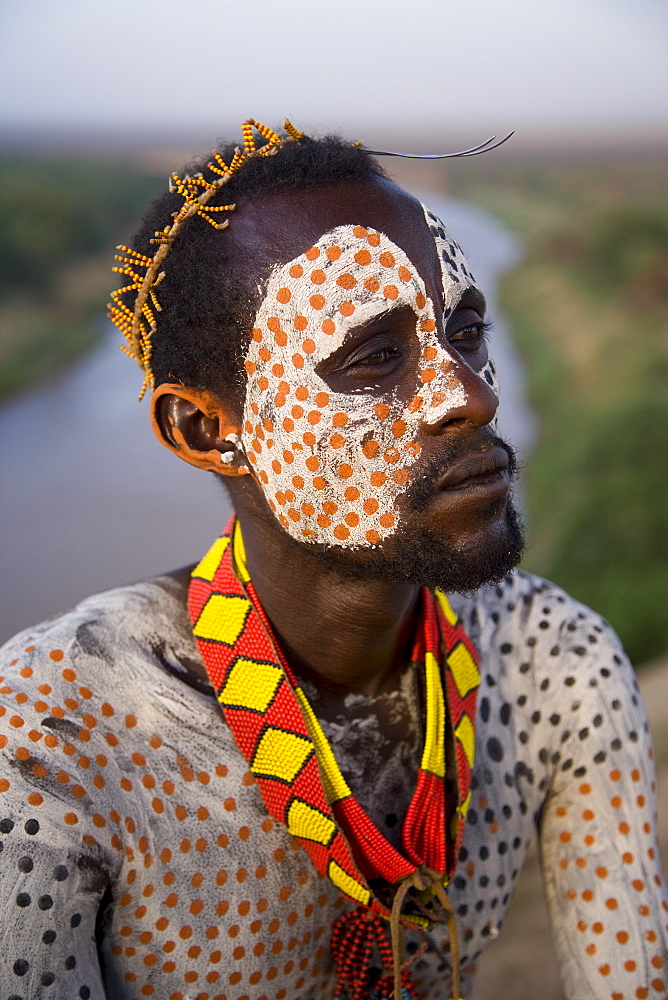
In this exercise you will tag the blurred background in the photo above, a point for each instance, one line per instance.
(566, 227)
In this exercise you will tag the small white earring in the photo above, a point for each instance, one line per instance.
(228, 457)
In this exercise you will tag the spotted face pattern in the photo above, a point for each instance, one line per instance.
(332, 464)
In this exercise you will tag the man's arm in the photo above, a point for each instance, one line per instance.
(53, 872)
(605, 890)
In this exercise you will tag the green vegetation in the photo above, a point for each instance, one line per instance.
(60, 221)
(589, 309)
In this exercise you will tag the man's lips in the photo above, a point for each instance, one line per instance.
(477, 469)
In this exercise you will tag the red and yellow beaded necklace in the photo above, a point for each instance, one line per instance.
(299, 779)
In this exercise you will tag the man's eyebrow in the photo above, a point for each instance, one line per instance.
(387, 316)
(472, 298)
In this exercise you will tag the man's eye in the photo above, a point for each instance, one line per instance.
(380, 357)
(471, 336)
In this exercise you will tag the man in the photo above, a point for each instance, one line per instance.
(353, 823)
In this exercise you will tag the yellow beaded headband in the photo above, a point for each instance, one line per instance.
(138, 324)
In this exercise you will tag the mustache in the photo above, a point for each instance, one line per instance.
(424, 489)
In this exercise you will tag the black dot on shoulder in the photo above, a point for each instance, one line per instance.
(390, 820)
(524, 668)
(6, 825)
(483, 853)
(26, 864)
(484, 709)
(60, 873)
(70, 962)
(506, 647)
(21, 966)
(460, 883)
(15, 996)
(32, 827)
(23, 899)
(47, 979)
(48, 937)
(84, 993)
(504, 713)
(75, 920)
(462, 910)
(494, 749)
(45, 902)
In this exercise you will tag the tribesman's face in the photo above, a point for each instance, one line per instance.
(363, 366)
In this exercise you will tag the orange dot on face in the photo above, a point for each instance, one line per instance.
(330, 507)
(363, 257)
(296, 271)
(263, 383)
(317, 301)
(273, 324)
(391, 455)
(337, 440)
(308, 438)
(622, 937)
(345, 470)
(371, 284)
(341, 532)
(276, 466)
(420, 300)
(314, 417)
(312, 463)
(288, 457)
(301, 393)
(308, 509)
(352, 519)
(333, 253)
(373, 239)
(386, 259)
(400, 476)
(339, 420)
(257, 334)
(279, 399)
(294, 515)
(428, 325)
(404, 273)
(429, 353)
(382, 411)
(264, 353)
(328, 326)
(360, 232)
(297, 360)
(319, 483)
(300, 322)
(284, 295)
(298, 482)
(377, 478)
(346, 281)
(391, 292)
(372, 537)
(322, 399)
(428, 374)
(323, 520)
(398, 428)
(346, 308)
(370, 505)
(277, 370)
(318, 276)
(387, 520)
(351, 494)
(250, 367)
(288, 425)
(281, 338)
(312, 253)
(308, 347)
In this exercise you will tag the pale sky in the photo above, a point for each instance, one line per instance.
(360, 64)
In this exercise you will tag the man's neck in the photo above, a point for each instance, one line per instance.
(342, 634)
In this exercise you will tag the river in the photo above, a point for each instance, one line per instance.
(90, 500)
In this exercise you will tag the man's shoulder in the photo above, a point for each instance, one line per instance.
(532, 625)
(112, 630)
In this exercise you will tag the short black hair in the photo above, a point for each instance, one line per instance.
(204, 325)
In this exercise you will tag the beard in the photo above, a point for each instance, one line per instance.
(418, 554)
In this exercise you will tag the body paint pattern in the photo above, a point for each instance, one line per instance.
(332, 464)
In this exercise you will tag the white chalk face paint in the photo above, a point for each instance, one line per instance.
(332, 464)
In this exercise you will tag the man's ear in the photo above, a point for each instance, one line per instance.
(196, 426)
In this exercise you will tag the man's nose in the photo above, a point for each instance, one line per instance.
(456, 395)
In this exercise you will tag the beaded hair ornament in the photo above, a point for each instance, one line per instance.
(138, 322)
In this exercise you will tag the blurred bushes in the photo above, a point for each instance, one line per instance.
(61, 221)
(588, 306)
